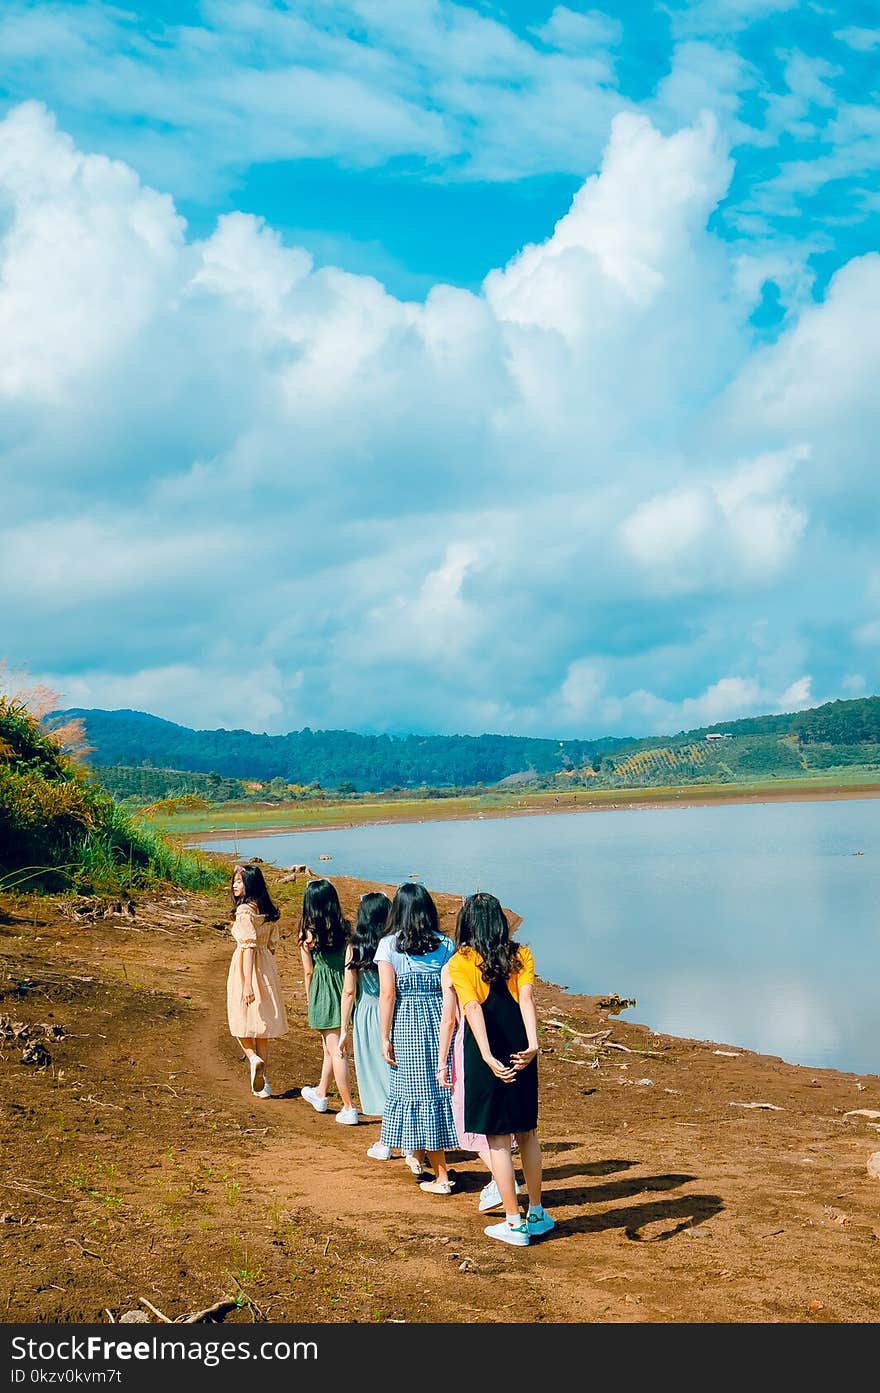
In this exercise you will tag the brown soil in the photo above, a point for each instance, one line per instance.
(138, 1165)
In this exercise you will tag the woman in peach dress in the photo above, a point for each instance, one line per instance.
(254, 1001)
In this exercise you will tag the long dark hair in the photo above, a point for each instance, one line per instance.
(414, 919)
(254, 892)
(370, 925)
(482, 926)
(322, 923)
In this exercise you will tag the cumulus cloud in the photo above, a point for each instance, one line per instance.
(737, 529)
(243, 489)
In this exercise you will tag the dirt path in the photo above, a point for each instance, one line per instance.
(136, 1163)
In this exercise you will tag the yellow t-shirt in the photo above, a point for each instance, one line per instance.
(468, 981)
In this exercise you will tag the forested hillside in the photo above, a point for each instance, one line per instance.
(148, 758)
(327, 757)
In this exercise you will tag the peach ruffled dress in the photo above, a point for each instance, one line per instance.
(265, 1016)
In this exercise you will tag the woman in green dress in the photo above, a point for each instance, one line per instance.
(323, 938)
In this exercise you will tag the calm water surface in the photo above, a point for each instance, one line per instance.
(752, 925)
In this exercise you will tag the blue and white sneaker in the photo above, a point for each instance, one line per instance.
(505, 1232)
(539, 1224)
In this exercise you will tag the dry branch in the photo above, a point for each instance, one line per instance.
(210, 1313)
(156, 1312)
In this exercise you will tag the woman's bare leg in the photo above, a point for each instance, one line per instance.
(326, 1066)
(437, 1162)
(502, 1171)
(339, 1065)
(530, 1157)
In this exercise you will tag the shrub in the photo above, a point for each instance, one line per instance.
(58, 830)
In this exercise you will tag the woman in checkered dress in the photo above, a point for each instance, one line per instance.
(418, 1114)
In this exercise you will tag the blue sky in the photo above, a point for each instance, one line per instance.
(402, 365)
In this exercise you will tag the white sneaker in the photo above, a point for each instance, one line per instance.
(265, 1091)
(312, 1096)
(379, 1151)
(517, 1234)
(348, 1116)
(490, 1196)
(418, 1168)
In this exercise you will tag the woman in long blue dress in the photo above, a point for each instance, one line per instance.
(360, 1010)
(418, 1114)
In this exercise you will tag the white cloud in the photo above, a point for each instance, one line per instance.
(589, 705)
(723, 16)
(863, 40)
(579, 501)
(735, 530)
(195, 695)
(359, 81)
(575, 31)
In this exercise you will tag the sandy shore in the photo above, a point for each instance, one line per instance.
(828, 793)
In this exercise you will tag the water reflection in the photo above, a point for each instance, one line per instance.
(748, 925)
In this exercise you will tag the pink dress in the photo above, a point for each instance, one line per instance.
(468, 1141)
(265, 1016)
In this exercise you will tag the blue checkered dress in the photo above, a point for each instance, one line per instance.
(418, 1114)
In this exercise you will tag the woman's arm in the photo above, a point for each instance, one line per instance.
(448, 1019)
(349, 993)
(247, 965)
(522, 1058)
(387, 995)
(476, 1020)
(305, 953)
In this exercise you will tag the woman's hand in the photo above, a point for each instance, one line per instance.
(342, 1046)
(443, 1076)
(247, 996)
(523, 1058)
(388, 1053)
(504, 1072)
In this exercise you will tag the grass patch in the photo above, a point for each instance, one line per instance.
(58, 832)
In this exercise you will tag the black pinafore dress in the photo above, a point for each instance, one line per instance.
(492, 1107)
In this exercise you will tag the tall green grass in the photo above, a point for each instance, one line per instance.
(59, 832)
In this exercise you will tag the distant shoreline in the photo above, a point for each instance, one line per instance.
(828, 793)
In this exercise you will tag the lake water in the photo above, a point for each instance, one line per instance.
(749, 925)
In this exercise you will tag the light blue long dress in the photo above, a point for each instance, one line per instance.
(373, 1074)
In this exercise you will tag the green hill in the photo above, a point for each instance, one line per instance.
(327, 757)
(143, 757)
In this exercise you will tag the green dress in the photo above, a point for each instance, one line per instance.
(325, 990)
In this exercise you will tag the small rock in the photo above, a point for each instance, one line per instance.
(872, 1165)
(37, 1055)
(727, 1054)
(863, 1112)
(467, 1266)
(134, 1318)
(817, 1306)
(648, 1083)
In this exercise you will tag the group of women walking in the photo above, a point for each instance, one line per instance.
(443, 1030)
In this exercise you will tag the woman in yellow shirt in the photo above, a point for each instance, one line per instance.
(493, 978)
